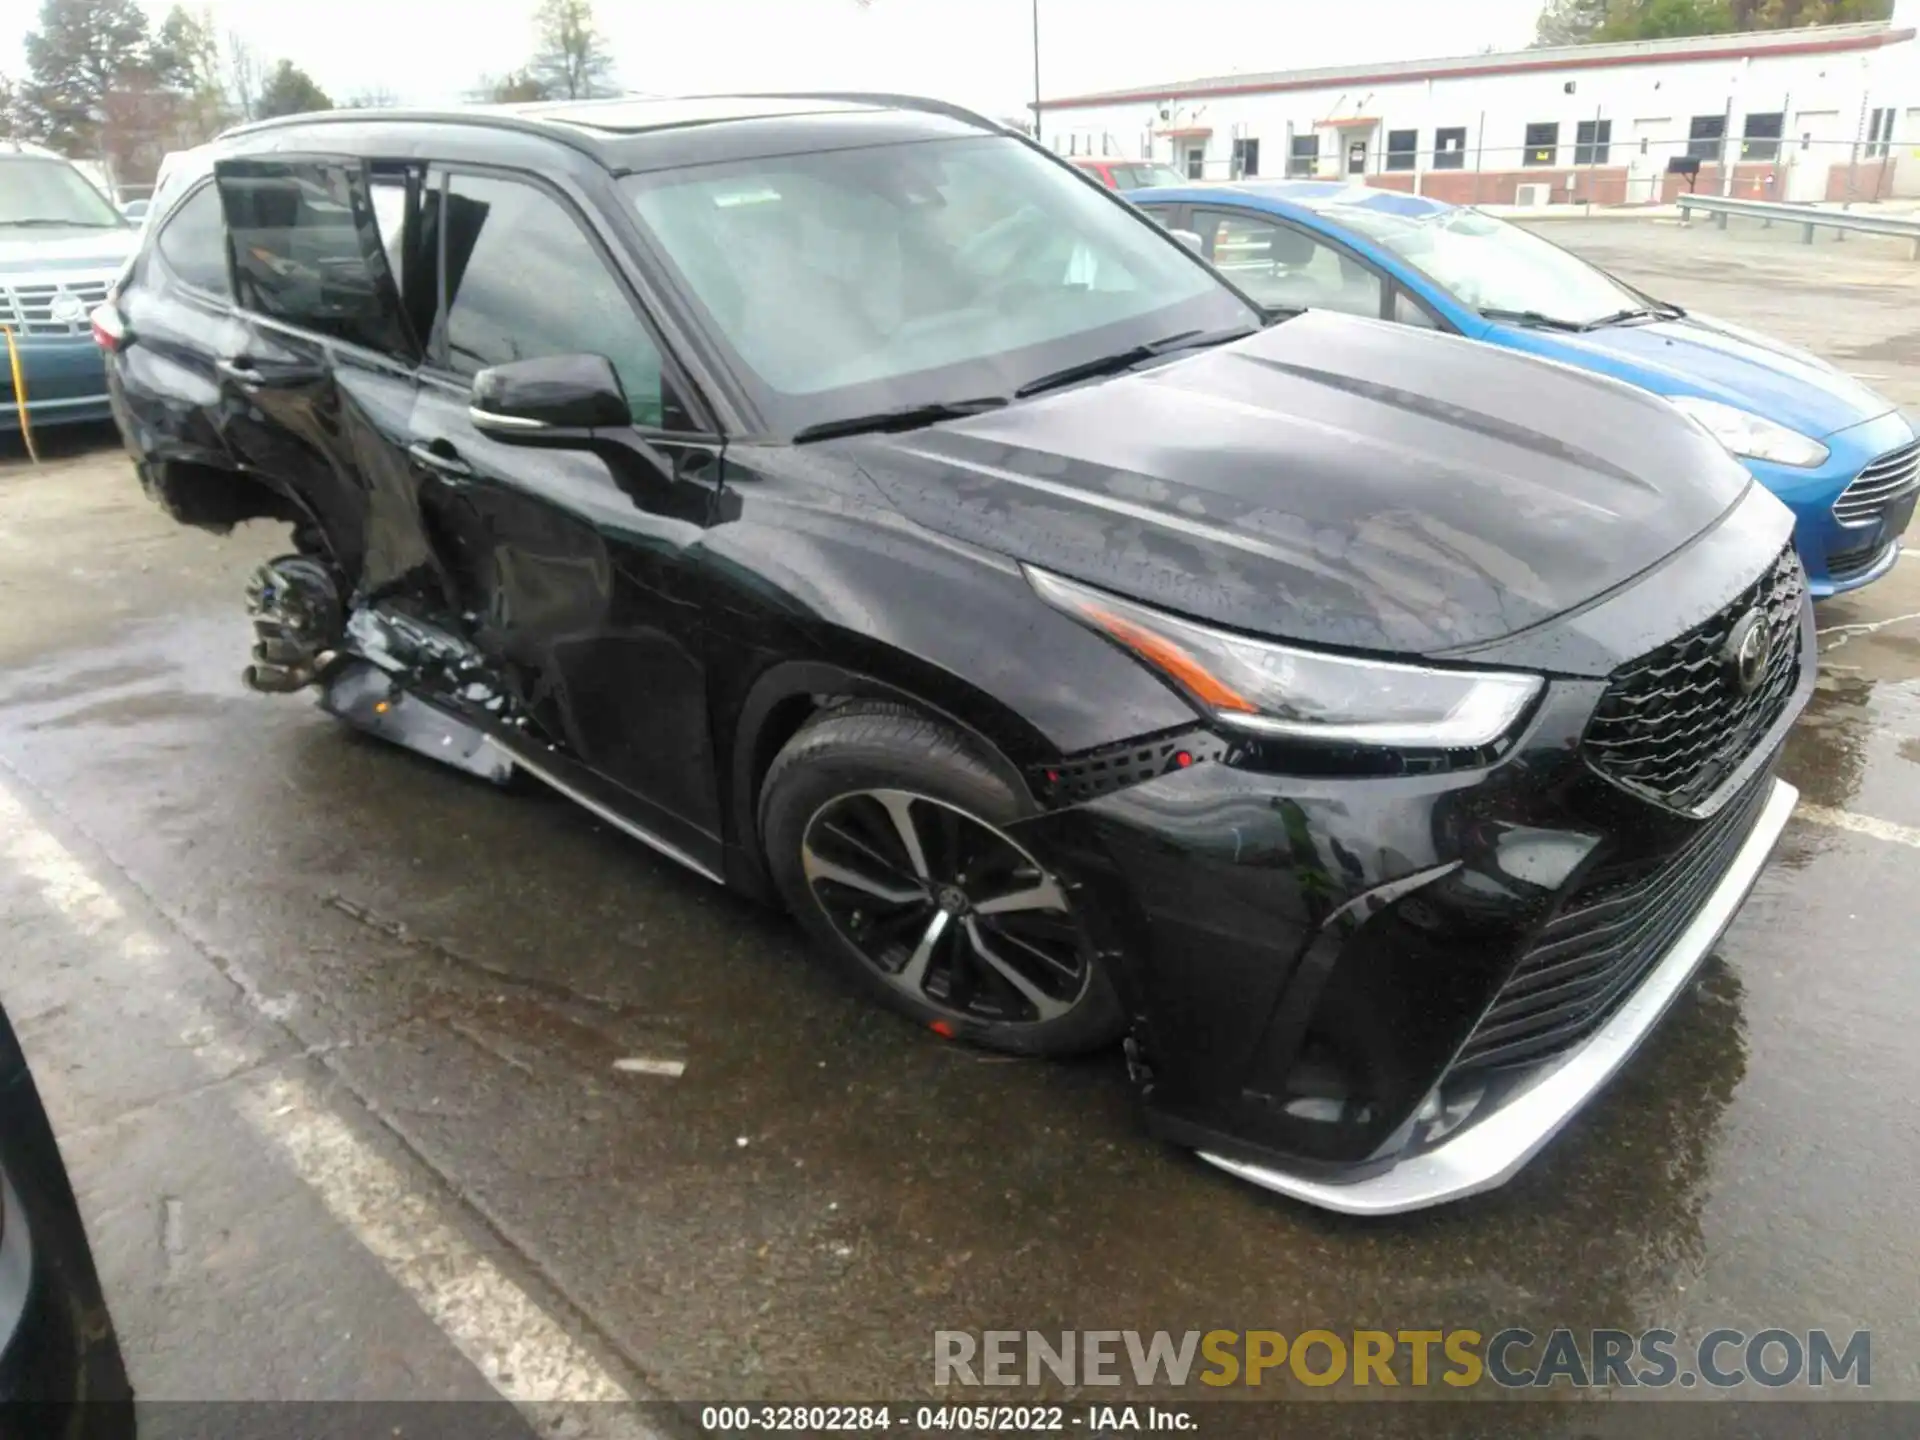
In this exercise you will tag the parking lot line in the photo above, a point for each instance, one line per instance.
(1861, 824)
(524, 1353)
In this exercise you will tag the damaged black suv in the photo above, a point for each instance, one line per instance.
(853, 502)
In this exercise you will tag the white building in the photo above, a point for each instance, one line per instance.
(1826, 113)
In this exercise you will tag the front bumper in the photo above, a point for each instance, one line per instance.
(65, 380)
(1842, 556)
(1378, 991)
(1494, 1147)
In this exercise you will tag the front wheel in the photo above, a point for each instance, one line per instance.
(887, 836)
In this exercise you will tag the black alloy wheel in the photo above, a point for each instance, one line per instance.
(945, 907)
(888, 835)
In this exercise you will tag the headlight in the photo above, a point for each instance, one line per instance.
(1269, 689)
(1745, 433)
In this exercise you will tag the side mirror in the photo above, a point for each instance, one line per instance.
(1191, 240)
(530, 400)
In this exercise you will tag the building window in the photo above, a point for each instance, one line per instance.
(1761, 140)
(1450, 148)
(1303, 156)
(1543, 144)
(1246, 157)
(1403, 146)
(1704, 136)
(1879, 133)
(1590, 141)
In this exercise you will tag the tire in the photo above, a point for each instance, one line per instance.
(1021, 979)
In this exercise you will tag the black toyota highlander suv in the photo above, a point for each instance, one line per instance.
(855, 503)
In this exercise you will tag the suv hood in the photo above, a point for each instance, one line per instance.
(1696, 355)
(82, 250)
(1338, 481)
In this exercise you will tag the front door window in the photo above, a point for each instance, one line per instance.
(1281, 266)
(1196, 161)
(1356, 157)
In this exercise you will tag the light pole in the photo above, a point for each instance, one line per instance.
(1036, 72)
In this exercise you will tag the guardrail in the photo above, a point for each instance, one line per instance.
(1808, 217)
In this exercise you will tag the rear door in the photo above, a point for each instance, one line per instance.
(179, 304)
(572, 566)
(318, 380)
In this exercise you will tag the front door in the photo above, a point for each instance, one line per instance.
(571, 565)
(1647, 160)
(1357, 155)
(1811, 153)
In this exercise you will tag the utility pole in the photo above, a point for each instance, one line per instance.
(1036, 72)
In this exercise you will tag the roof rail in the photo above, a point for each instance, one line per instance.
(485, 118)
(879, 97)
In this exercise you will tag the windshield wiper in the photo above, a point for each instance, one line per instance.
(1532, 317)
(1636, 312)
(906, 417)
(37, 221)
(1138, 355)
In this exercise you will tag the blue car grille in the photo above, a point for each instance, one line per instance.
(36, 308)
(1672, 725)
(1892, 477)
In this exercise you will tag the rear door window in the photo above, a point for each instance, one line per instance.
(307, 250)
(193, 242)
(523, 281)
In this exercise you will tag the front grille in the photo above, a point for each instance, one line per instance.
(1673, 725)
(1589, 957)
(28, 309)
(1893, 476)
(1845, 564)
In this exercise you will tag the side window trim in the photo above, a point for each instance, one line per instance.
(440, 177)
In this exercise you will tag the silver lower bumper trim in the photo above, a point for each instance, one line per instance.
(1492, 1149)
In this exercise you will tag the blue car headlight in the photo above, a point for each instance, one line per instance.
(1750, 435)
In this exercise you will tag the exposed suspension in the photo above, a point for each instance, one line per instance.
(297, 623)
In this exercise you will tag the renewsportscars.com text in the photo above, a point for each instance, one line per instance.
(1513, 1358)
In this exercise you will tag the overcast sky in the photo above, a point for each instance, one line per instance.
(975, 52)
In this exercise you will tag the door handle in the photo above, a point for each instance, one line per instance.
(243, 371)
(442, 460)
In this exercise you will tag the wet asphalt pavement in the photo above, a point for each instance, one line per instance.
(292, 926)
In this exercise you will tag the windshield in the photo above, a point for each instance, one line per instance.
(1488, 264)
(847, 282)
(51, 192)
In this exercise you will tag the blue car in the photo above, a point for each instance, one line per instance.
(61, 248)
(1845, 460)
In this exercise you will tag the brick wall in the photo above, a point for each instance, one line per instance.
(1603, 185)
(1752, 180)
(1872, 180)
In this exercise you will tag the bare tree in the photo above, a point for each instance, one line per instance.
(516, 87)
(243, 76)
(11, 127)
(570, 57)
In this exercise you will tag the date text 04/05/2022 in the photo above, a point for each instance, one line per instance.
(963, 1419)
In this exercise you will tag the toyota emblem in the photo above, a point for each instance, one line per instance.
(1746, 652)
